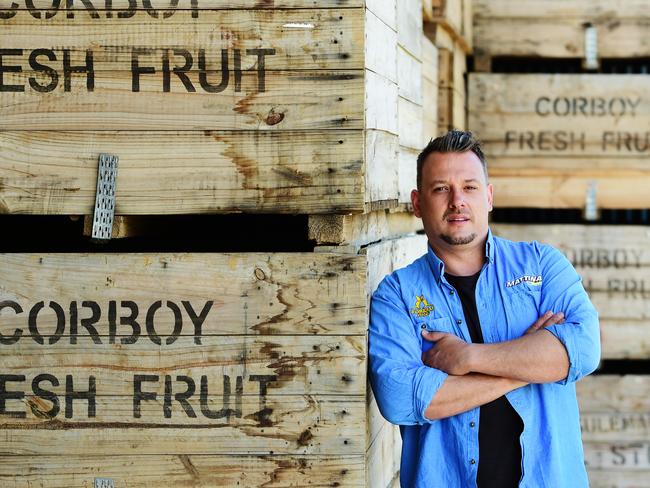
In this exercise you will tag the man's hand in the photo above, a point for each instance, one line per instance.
(453, 355)
(449, 353)
(546, 320)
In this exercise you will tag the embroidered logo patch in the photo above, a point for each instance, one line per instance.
(422, 307)
(534, 280)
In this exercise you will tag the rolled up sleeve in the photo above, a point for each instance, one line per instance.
(403, 385)
(562, 291)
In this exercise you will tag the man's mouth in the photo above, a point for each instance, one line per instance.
(457, 218)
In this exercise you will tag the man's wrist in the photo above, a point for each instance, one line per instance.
(473, 357)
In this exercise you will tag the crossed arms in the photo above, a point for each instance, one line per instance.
(453, 377)
(480, 373)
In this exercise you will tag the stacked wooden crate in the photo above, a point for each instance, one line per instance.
(448, 25)
(578, 141)
(187, 369)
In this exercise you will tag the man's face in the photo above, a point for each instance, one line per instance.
(454, 200)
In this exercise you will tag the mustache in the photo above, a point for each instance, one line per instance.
(455, 212)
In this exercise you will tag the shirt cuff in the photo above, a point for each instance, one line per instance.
(566, 337)
(428, 382)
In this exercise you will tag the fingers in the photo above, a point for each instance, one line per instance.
(433, 336)
(546, 320)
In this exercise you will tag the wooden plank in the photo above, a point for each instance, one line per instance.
(315, 428)
(556, 28)
(383, 457)
(160, 7)
(294, 364)
(568, 190)
(409, 26)
(613, 262)
(616, 429)
(181, 471)
(554, 131)
(184, 172)
(290, 100)
(429, 89)
(381, 171)
(250, 294)
(408, 172)
(381, 103)
(386, 10)
(360, 230)
(410, 124)
(410, 76)
(380, 47)
(300, 39)
(391, 254)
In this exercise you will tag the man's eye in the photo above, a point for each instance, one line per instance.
(440, 188)
(471, 187)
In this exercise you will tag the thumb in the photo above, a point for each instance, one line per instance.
(433, 336)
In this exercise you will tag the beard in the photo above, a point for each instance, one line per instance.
(458, 241)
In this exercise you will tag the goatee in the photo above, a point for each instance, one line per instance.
(458, 241)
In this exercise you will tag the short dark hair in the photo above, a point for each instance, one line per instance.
(454, 141)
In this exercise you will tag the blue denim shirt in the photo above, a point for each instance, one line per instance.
(518, 283)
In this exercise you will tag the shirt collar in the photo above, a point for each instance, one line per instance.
(438, 267)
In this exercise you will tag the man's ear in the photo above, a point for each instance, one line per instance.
(490, 195)
(415, 201)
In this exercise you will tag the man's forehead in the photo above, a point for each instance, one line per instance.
(457, 166)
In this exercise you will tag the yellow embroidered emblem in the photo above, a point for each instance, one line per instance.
(422, 307)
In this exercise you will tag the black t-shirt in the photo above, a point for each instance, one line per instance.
(500, 426)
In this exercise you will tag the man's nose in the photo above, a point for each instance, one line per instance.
(456, 198)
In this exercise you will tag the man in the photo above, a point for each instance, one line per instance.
(475, 347)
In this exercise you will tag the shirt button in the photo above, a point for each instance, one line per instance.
(472, 424)
(458, 321)
(451, 292)
(423, 326)
(472, 461)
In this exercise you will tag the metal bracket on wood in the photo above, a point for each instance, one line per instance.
(591, 205)
(104, 483)
(105, 197)
(591, 61)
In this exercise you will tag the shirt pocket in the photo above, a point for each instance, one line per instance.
(440, 324)
(522, 309)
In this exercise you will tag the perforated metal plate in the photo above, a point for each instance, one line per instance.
(104, 483)
(105, 197)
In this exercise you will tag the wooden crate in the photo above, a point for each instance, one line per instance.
(556, 28)
(613, 262)
(548, 138)
(454, 16)
(615, 420)
(410, 109)
(242, 370)
(429, 89)
(304, 120)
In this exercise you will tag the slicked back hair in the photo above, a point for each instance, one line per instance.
(454, 141)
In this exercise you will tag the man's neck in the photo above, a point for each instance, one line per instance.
(461, 260)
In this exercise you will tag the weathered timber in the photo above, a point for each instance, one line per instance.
(615, 422)
(556, 28)
(547, 137)
(386, 10)
(194, 172)
(299, 39)
(452, 106)
(613, 262)
(409, 26)
(339, 438)
(455, 16)
(291, 100)
(251, 294)
(294, 365)
(182, 471)
(429, 89)
(380, 47)
(360, 230)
